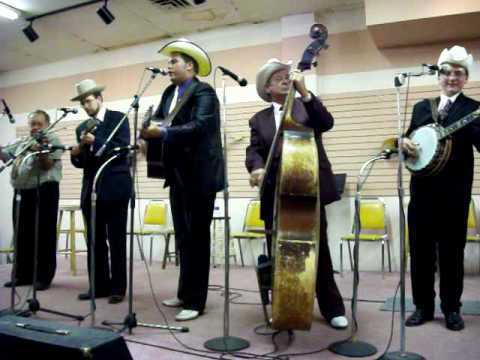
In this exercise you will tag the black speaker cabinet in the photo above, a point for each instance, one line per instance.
(25, 338)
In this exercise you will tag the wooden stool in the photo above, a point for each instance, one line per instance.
(70, 234)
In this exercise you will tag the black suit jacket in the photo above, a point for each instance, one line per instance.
(115, 183)
(457, 175)
(262, 131)
(193, 156)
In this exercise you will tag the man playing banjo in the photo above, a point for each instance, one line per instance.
(439, 204)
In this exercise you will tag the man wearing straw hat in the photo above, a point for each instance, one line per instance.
(438, 209)
(113, 190)
(273, 82)
(194, 168)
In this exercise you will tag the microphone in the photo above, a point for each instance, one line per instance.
(389, 148)
(399, 79)
(124, 148)
(51, 147)
(7, 112)
(68, 110)
(157, 70)
(240, 81)
(431, 68)
(388, 153)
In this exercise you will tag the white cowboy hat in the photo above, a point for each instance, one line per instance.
(86, 87)
(264, 75)
(191, 49)
(456, 55)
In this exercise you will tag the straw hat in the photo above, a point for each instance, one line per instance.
(86, 87)
(191, 49)
(264, 75)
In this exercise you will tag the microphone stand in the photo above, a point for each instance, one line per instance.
(352, 347)
(33, 304)
(130, 320)
(402, 354)
(226, 343)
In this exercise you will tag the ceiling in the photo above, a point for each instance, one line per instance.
(81, 31)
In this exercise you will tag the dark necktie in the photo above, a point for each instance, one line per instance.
(443, 113)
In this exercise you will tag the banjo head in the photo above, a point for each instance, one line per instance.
(427, 140)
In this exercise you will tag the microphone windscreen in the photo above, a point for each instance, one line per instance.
(390, 144)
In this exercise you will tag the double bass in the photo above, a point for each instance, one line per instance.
(296, 227)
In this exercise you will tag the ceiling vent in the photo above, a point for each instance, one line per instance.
(177, 4)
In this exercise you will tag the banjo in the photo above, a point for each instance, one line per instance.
(434, 146)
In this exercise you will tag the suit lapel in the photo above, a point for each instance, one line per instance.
(269, 126)
(457, 110)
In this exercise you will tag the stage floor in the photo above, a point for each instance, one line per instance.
(431, 340)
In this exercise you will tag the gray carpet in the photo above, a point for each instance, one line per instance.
(470, 307)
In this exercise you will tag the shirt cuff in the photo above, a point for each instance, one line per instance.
(165, 134)
(307, 98)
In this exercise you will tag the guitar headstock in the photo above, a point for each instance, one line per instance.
(319, 33)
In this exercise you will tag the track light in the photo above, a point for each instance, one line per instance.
(8, 12)
(105, 14)
(30, 33)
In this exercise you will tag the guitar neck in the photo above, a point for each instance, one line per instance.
(467, 119)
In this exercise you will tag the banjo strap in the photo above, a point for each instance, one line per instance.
(434, 109)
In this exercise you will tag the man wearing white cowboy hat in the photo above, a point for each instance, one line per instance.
(113, 190)
(439, 204)
(194, 168)
(273, 81)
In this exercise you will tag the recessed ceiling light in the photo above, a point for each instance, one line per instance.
(9, 12)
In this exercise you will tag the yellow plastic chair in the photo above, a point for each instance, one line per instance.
(473, 232)
(253, 227)
(373, 228)
(155, 223)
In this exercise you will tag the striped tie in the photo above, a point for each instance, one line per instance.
(443, 113)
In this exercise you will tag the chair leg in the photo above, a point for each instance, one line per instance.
(341, 258)
(151, 250)
(350, 255)
(140, 247)
(241, 253)
(73, 234)
(59, 226)
(165, 251)
(383, 258)
(67, 246)
(389, 257)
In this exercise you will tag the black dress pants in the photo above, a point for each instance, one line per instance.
(438, 221)
(47, 236)
(111, 225)
(192, 214)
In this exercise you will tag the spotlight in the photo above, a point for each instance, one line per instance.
(105, 14)
(30, 33)
(8, 12)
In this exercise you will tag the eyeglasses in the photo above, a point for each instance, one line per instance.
(457, 73)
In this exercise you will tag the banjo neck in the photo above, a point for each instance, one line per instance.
(457, 125)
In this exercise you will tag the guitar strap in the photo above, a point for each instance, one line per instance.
(178, 106)
(434, 109)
